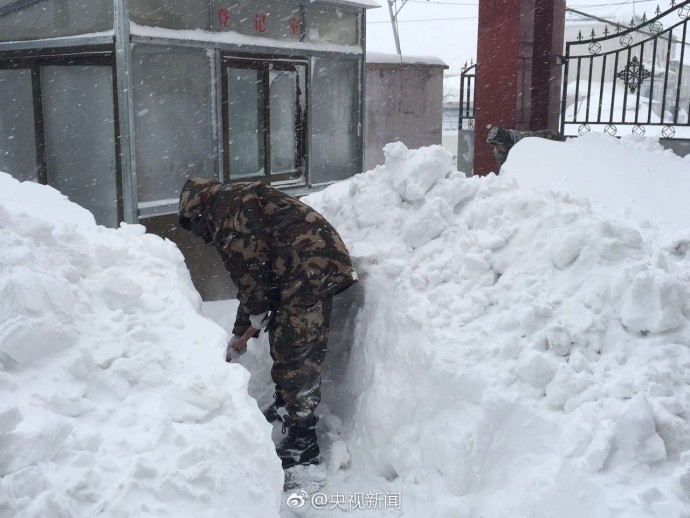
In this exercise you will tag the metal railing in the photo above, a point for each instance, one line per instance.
(635, 80)
(467, 89)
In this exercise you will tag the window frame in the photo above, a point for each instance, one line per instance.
(93, 55)
(264, 64)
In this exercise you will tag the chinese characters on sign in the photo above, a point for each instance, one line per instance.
(223, 17)
(295, 25)
(260, 22)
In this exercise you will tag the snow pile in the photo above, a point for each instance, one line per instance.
(114, 396)
(628, 178)
(519, 353)
(522, 350)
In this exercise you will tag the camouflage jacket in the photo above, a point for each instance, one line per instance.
(274, 246)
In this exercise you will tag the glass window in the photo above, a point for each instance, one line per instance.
(333, 25)
(17, 137)
(173, 119)
(283, 109)
(335, 110)
(171, 14)
(79, 125)
(245, 122)
(22, 20)
(263, 115)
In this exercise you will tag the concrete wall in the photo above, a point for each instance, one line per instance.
(403, 103)
(205, 266)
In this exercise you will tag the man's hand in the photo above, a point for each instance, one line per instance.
(233, 350)
(237, 345)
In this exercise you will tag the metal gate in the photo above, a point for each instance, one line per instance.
(465, 152)
(467, 84)
(630, 80)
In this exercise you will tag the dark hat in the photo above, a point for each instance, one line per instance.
(501, 136)
(498, 136)
(194, 195)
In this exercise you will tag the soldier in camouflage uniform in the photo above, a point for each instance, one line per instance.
(287, 262)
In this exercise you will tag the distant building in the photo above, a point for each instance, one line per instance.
(403, 103)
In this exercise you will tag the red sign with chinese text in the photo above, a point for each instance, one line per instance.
(260, 22)
(223, 17)
(295, 25)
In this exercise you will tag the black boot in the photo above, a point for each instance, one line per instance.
(271, 413)
(300, 446)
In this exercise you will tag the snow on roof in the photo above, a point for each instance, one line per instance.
(235, 38)
(92, 37)
(396, 59)
(577, 20)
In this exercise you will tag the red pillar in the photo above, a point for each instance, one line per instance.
(518, 80)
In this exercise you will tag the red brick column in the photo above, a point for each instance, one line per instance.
(518, 79)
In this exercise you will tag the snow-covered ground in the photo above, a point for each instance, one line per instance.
(521, 349)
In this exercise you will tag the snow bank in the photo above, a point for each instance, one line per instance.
(518, 353)
(631, 177)
(114, 396)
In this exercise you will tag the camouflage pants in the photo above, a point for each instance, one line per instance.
(298, 334)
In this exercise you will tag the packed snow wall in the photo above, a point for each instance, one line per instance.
(519, 352)
(114, 395)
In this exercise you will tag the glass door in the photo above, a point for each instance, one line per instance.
(58, 127)
(263, 113)
(18, 155)
(245, 122)
(284, 110)
(79, 126)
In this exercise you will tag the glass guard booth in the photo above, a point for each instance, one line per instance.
(116, 102)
